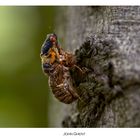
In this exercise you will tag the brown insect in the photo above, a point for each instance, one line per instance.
(58, 70)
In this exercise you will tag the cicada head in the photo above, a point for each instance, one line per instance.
(50, 40)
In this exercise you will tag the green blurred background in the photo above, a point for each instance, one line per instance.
(23, 87)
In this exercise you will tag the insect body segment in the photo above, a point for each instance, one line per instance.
(56, 63)
(61, 84)
(50, 49)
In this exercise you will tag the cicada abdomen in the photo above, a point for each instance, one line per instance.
(61, 84)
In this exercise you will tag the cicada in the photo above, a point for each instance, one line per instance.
(56, 63)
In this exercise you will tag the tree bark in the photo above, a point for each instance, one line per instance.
(106, 41)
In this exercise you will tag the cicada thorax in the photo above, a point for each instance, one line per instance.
(61, 84)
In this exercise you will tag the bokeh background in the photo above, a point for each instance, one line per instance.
(24, 90)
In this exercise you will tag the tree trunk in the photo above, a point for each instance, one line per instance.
(107, 44)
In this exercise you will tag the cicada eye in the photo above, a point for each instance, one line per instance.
(52, 38)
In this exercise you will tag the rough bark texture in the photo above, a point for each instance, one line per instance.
(107, 40)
